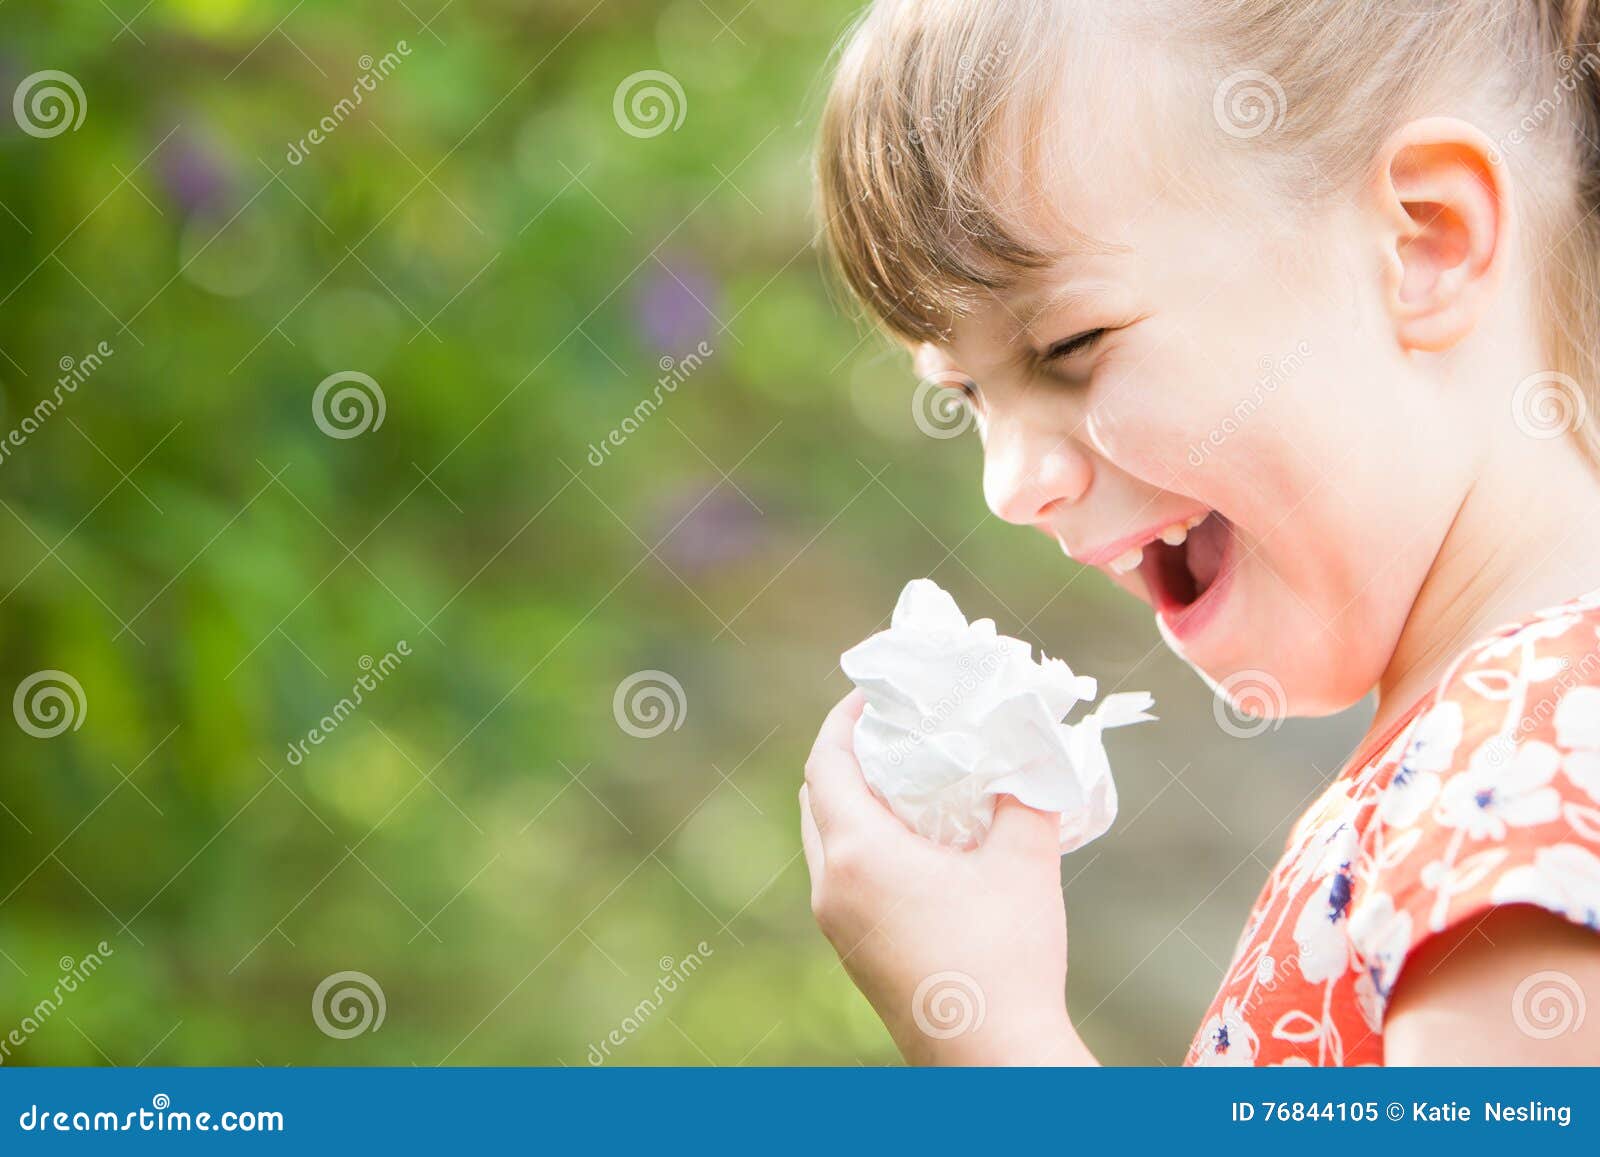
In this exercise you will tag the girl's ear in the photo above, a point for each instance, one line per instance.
(1444, 198)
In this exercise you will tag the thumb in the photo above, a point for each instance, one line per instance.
(1020, 828)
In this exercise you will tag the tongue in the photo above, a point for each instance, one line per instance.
(1204, 557)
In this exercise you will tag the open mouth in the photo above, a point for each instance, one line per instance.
(1179, 575)
(1184, 570)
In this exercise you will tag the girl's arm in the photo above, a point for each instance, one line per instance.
(1511, 989)
(962, 954)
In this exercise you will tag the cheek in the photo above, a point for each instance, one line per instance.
(1234, 439)
(1161, 423)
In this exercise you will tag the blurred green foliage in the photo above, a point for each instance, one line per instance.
(481, 837)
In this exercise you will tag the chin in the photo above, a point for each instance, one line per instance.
(1268, 653)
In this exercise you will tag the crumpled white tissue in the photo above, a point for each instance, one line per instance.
(958, 714)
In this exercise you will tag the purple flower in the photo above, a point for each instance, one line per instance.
(674, 306)
(196, 176)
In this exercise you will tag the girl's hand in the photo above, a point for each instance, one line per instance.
(963, 954)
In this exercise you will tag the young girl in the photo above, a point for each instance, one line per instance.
(1098, 221)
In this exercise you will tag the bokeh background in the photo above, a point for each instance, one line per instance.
(509, 254)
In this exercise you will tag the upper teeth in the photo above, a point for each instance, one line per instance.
(1178, 532)
(1175, 535)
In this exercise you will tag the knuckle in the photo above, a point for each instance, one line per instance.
(829, 915)
(849, 860)
(819, 907)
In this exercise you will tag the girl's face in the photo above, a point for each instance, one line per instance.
(1214, 410)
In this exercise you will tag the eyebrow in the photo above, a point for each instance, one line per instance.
(1027, 308)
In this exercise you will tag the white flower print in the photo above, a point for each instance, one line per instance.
(1578, 730)
(1501, 788)
(1538, 630)
(1489, 795)
(1322, 950)
(1226, 1040)
(1382, 937)
(1564, 878)
(1332, 843)
(1583, 769)
(1430, 750)
(1578, 719)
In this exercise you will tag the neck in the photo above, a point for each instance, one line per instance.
(1520, 541)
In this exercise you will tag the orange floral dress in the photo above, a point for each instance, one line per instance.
(1487, 793)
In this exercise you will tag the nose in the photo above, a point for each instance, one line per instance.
(1026, 477)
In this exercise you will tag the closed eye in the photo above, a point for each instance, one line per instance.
(1067, 347)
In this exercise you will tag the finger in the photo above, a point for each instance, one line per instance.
(837, 791)
(1018, 828)
(838, 729)
(810, 838)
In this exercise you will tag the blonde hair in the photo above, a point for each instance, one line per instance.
(929, 95)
